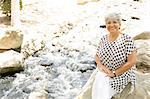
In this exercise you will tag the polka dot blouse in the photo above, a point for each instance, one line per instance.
(113, 55)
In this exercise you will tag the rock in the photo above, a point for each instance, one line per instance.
(38, 95)
(82, 2)
(10, 62)
(143, 54)
(143, 36)
(3, 50)
(141, 92)
(10, 39)
(136, 18)
(125, 93)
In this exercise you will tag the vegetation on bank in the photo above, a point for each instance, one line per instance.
(5, 6)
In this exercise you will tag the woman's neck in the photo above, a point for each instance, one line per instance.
(113, 36)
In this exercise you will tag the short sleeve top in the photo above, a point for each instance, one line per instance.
(113, 55)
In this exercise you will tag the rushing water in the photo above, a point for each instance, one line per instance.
(61, 75)
(5, 84)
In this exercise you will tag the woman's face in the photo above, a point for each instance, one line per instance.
(113, 25)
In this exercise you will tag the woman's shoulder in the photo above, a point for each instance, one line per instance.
(104, 36)
(126, 36)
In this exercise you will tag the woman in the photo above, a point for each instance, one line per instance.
(115, 58)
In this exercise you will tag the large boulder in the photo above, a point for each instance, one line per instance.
(10, 62)
(142, 36)
(10, 39)
(143, 50)
(143, 54)
(141, 91)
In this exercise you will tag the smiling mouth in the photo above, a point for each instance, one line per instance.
(112, 28)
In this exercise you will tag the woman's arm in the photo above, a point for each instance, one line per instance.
(131, 60)
(101, 66)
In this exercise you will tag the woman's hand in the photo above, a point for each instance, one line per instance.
(103, 68)
(111, 74)
(107, 71)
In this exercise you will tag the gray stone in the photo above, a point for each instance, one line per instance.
(143, 54)
(10, 62)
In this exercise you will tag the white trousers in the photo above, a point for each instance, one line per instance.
(101, 88)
